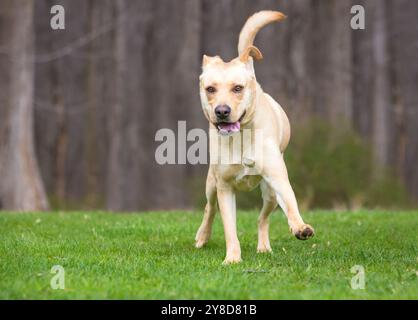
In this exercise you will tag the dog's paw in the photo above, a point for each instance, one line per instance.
(232, 260)
(233, 255)
(200, 243)
(264, 249)
(202, 237)
(304, 232)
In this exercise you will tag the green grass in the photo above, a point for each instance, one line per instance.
(151, 256)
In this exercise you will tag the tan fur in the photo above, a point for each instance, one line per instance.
(254, 24)
(258, 112)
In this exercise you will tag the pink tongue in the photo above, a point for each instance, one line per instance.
(226, 128)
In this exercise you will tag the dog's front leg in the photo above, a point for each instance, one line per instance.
(227, 207)
(205, 230)
(277, 178)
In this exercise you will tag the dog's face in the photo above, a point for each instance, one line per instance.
(227, 90)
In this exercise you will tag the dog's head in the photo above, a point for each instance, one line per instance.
(227, 90)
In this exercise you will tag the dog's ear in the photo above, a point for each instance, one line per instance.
(207, 59)
(251, 51)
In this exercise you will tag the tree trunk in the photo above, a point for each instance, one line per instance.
(381, 91)
(21, 187)
(115, 183)
(404, 44)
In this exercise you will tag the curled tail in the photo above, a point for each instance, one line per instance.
(254, 24)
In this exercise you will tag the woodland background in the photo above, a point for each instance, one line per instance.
(79, 108)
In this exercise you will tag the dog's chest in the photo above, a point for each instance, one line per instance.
(244, 178)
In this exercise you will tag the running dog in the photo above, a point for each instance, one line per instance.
(233, 101)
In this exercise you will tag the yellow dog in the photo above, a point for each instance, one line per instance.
(233, 101)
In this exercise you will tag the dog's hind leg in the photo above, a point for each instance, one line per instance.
(205, 230)
(269, 204)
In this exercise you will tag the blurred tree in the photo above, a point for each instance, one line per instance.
(403, 32)
(21, 187)
(118, 113)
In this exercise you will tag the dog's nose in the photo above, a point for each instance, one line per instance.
(222, 111)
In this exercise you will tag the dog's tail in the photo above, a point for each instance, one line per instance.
(254, 24)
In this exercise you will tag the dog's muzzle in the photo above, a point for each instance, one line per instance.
(228, 128)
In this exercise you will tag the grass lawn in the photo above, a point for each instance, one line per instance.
(151, 256)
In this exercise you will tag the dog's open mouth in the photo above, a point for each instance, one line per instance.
(227, 128)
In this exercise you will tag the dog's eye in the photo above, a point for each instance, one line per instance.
(211, 89)
(237, 89)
